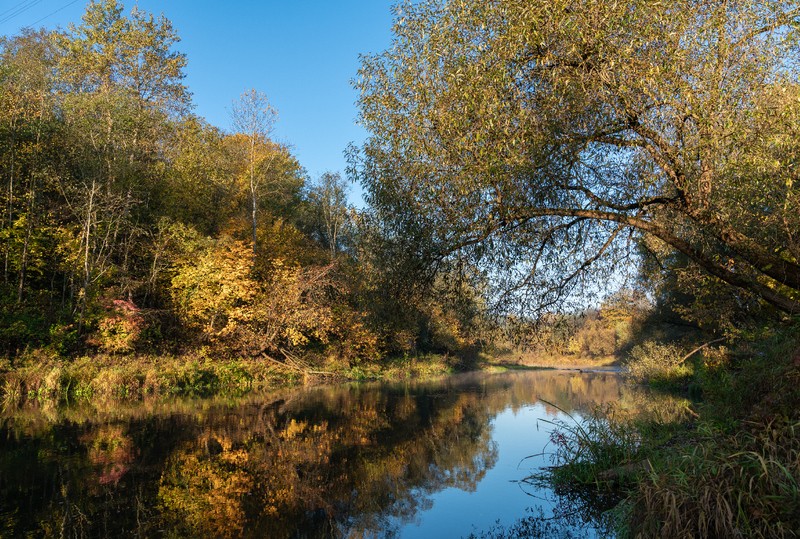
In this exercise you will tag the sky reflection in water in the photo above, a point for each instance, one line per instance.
(437, 459)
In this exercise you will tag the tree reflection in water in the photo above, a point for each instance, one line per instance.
(346, 461)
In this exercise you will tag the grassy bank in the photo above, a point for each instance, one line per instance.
(45, 377)
(540, 359)
(728, 468)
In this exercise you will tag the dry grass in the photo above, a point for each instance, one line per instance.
(657, 364)
(101, 377)
(747, 485)
(531, 359)
(733, 471)
(133, 377)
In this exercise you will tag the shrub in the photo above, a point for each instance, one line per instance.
(121, 327)
(652, 362)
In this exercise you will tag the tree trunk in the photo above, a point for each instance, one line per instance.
(23, 267)
(87, 265)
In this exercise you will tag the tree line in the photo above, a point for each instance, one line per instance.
(130, 224)
(519, 153)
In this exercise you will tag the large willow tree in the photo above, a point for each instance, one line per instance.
(536, 137)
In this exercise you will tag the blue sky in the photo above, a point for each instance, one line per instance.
(301, 53)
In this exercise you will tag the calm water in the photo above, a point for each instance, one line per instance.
(440, 459)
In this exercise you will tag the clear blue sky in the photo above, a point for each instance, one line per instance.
(301, 53)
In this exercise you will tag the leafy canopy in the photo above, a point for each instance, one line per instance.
(535, 138)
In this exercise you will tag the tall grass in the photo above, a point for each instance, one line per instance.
(103, 377)
(594, 460)
(733, 471)
(739, 486)
(585, 449)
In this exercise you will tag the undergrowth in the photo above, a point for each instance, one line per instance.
(42, 377)
(731, 471)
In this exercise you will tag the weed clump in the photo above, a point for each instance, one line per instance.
(737, 486)
(586, 450)
(732, 471)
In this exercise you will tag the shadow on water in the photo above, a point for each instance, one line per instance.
(366, 460)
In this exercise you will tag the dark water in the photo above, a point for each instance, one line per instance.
(439, 459)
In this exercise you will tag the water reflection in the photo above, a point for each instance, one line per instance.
(346, 461)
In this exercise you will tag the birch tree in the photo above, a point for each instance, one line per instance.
(253, 117)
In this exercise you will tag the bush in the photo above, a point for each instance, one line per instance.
(656, 363)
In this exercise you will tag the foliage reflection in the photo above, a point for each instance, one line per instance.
(346, 461)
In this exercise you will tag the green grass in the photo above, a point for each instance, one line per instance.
(583, 450)
(408, 367)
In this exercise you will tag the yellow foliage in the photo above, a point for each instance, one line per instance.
(206, 495)
(212, 288)
(216, 293)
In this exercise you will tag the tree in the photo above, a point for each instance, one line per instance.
(109, 52)
(215, 292)
(537, 137)
(329, 204)
(27, 123)
(254, 117)
(121, 83)
(213, 288)
(202, 187)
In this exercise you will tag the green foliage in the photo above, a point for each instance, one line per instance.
(109, 50)
(129, 225)
(330, 215)
(656, 364)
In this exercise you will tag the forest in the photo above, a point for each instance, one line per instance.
(133, 227)
(546, 182)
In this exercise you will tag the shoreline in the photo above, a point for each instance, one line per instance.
(47, 378)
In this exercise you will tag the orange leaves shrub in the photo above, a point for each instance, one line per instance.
(290, 310)
(355, 339)
(216, 294)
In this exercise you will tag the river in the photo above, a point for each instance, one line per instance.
(412, 460)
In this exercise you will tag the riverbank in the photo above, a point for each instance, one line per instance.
(730, 467)
(538, 360)
(45, 377)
